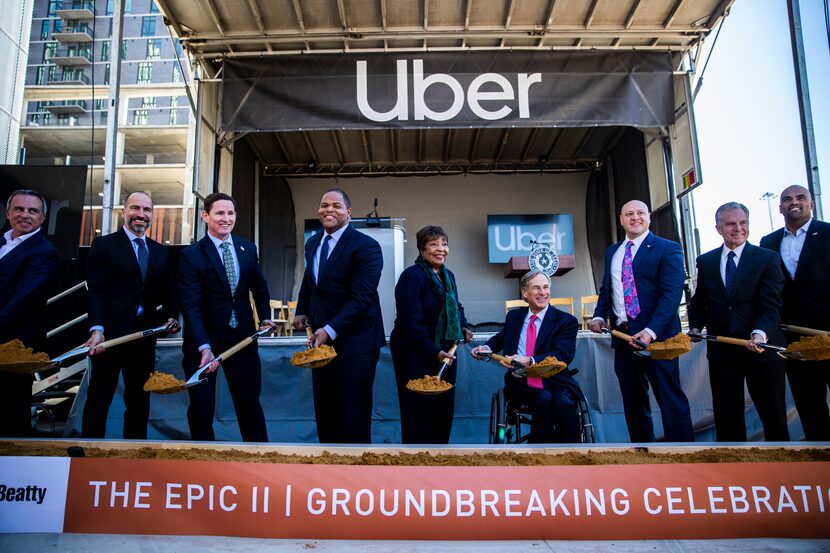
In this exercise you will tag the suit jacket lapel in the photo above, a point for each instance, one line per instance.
(20, 249)
(513, 343)
(713, 261)
(547, 325)
(335, 253)
(814, 236)
(745, 266)
(213, 255)
(126, 246)
(643, 252)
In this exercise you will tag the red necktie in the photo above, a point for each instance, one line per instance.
(530, 348)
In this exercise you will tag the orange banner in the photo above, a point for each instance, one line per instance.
(670, 501)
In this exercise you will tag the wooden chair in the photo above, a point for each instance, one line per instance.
(278, 316)
(568, 302)
(512, 304)
(587, 316)
(292, 309)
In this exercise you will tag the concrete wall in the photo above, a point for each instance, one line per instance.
(460, 204)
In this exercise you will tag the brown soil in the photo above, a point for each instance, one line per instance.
(423, 458)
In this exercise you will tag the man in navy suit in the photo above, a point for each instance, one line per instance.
(215, 276)
(28, 269)
(804, 245)
(339, 300)
(640, 295)
(738, 294)
(128, 276)
(528, 336)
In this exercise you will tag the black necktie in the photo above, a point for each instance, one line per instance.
(324, 255)
(143, 257)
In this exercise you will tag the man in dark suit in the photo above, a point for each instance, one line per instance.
(339, 300)
(28, 270)
(640, 295)
(528, 336)
(128, 276)
(738, 294)
(804, 245)
(215, 276)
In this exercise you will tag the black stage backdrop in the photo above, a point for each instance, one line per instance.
(449, 90)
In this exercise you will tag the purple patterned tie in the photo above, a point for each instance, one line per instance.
(632, 303)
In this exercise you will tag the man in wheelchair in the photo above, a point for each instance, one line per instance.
(530, 335)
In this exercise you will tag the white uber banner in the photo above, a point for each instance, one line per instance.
(33, 493)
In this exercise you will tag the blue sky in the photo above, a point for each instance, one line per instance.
(747, 113)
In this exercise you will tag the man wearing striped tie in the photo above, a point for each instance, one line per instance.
(739, 294)
(128, 276)
(640, 295)
(215, 275)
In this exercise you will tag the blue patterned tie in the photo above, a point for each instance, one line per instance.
(729, 282)
(143, 257)
(729, 274)
(227, 259)
(632, 301)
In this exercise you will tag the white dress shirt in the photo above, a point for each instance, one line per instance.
(791, 246)
(521, 348)
(723, 257)
(218, 243)
(13, 243)
(335, 237)
(617, 293)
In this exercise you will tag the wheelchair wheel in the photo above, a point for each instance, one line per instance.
(586, 425)
(498, 418)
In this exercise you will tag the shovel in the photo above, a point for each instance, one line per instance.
(197, 376)
(741, 342)
(84, 350)
(522, 371)
(804, 330)
(626, 338)
(441, 370)
(316, 363)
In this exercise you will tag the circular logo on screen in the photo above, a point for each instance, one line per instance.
(544, 259)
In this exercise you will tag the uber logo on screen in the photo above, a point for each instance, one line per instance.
(509, 235)
(495, 89)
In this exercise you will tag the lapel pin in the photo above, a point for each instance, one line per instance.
(242, 248)
(815, 233)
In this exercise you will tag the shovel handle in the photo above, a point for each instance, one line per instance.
(729, 340)
(625, 337)
(805, 330)
(122, 339)
(235, 348)
(446, 363)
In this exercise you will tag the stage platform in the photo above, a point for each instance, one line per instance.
(287, 399)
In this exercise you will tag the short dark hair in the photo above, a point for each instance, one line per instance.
(728, 207)
(27, 192)
(428, 234)
(346, 201)
(215, 197)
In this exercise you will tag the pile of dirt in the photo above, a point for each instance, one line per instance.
(425, 458)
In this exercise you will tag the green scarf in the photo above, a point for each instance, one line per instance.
(448, 329)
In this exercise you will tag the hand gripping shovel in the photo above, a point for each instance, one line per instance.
(178, 386)
(642, 352)
(433, 385)
(782, 351)
(543, 369)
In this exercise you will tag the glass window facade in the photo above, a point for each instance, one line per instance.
(148, 26)
(145, 72)
(154, 49)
